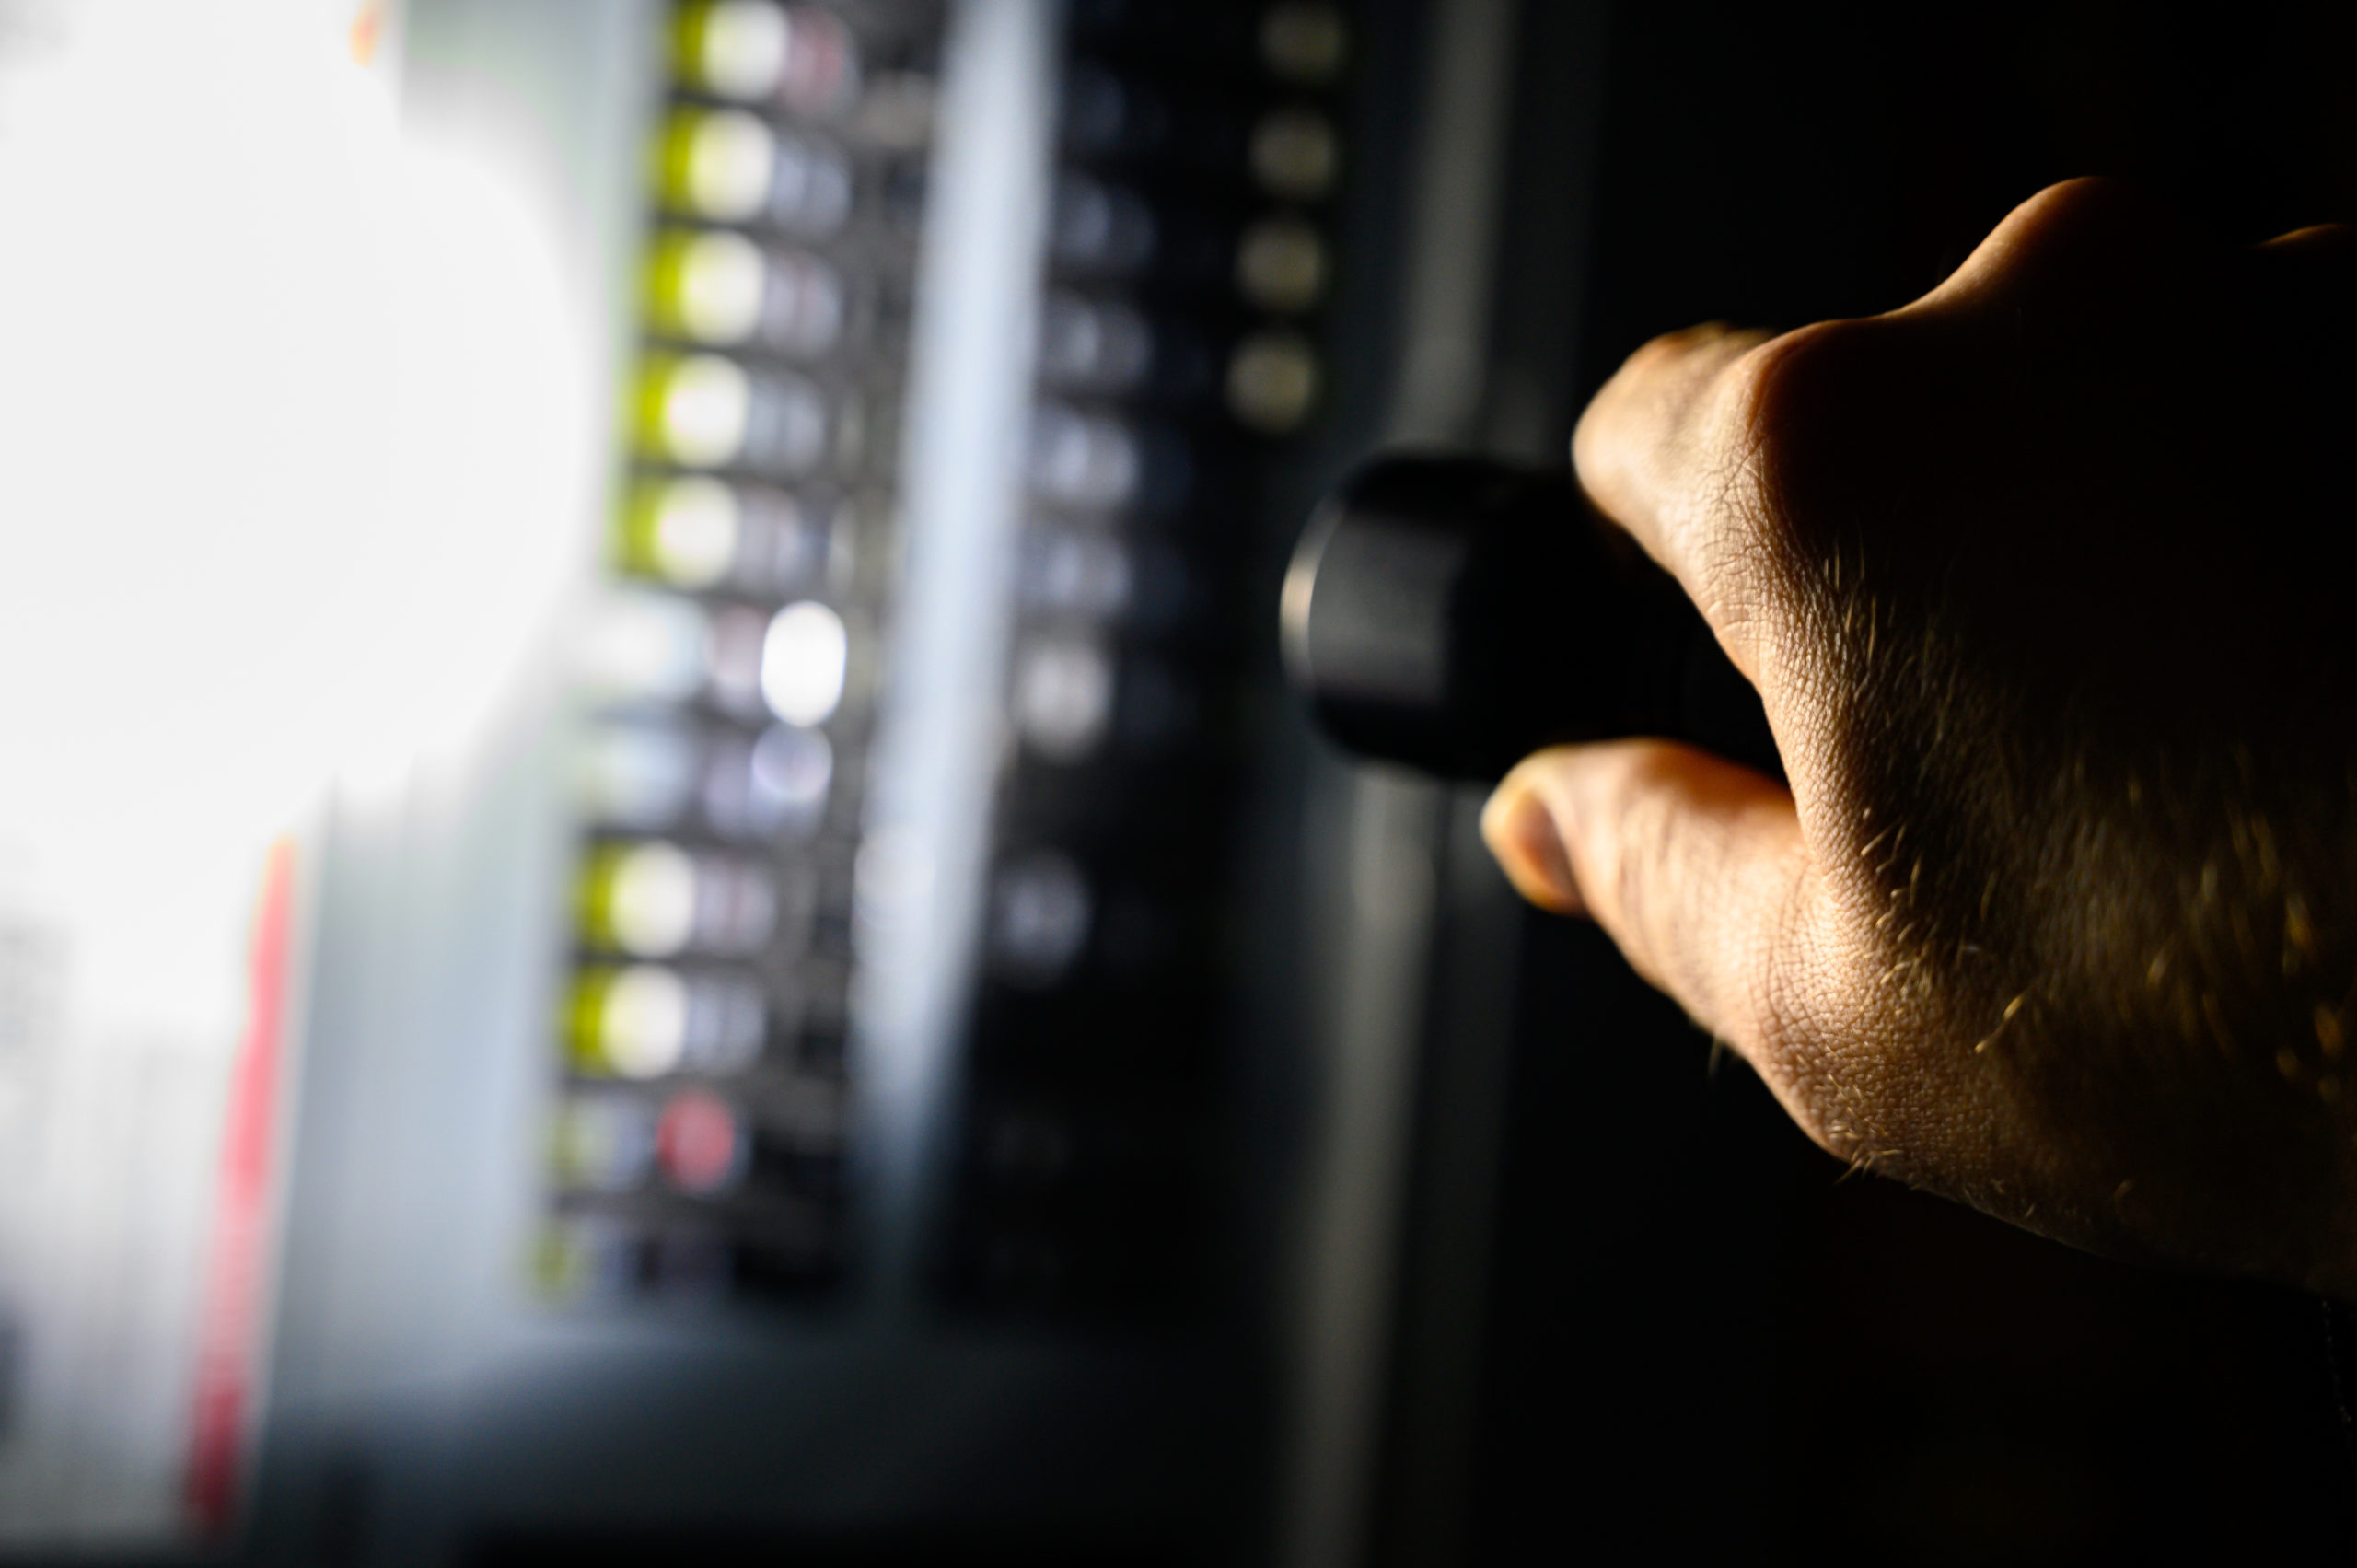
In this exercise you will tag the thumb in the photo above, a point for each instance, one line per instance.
(1694, 867)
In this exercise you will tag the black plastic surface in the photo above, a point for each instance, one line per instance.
(1456, 615)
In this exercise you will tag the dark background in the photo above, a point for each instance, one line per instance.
(1697, 1332)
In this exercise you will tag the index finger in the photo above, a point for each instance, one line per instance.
(1667, 451)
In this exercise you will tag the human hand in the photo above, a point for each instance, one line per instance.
(2044, 582)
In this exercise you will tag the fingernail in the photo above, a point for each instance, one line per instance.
(1521, 833)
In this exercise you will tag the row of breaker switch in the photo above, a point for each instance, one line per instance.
(1186, 259)
(697, 1141)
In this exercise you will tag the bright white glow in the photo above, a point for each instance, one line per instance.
(651, 899)
(744, 49)
(643, 1021)
(721, 279)
(707, 403)
(696, 526)
(802, 663)
(297, 449)
(299, 494)
(732, 158)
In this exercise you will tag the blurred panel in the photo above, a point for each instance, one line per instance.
(690, 933)
(748, 959)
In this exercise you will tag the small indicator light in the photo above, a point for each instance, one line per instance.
(804, 662)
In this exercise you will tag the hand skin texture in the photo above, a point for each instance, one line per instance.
(2046, 581)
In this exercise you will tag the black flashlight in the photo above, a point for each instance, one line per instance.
(1456, 615)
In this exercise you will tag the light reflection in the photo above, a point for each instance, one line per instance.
(642, 1021)
(728, 166)
(631, 1022)
(734, 49)
(643, 898)
(707, 286)
(654, 900)
(804, 661)
(703, 406)
(800, 57)
(719, 165)
(685, 532)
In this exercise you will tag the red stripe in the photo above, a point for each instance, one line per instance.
(233, 1305)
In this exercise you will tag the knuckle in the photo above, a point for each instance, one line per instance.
(2075, 253)
(1836, 427)
(1783, 426)
(1799, 388)
(2090, 219)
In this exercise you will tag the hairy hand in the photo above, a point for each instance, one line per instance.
(2044, 581)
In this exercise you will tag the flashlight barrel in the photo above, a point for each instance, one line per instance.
(1456, 615)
